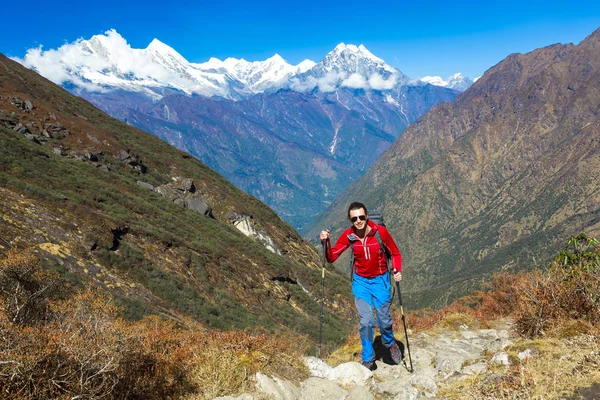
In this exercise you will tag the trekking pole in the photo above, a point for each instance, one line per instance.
(405, 332)
(324, 244)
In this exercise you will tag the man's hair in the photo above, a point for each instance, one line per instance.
(357, 206)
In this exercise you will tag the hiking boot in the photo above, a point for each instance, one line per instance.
(395, 353)
(370, 365)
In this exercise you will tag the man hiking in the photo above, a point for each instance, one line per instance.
(371, 280)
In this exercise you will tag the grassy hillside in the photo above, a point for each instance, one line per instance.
(75, 186)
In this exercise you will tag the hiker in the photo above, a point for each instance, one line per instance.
(370, 280)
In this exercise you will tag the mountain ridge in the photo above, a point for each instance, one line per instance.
(108, 62)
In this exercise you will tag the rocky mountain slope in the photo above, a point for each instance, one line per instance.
(106, 204)
(295, 152)
(293, 136)
(497, 178)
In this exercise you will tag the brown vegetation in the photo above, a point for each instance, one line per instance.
(80, 347)
(539, 302)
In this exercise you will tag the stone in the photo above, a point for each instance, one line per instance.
(275, 387)
(352, 374)
(500, 359)
(488, 333)
(360, 393)
(525, 354)
(244, 396)
(321, 389)
(425, 383)
(469, 334)
(198, 205)
(145, 185)
(499, 344)
(474, 369)
(318, 367)
(401, 389)
(449, 359)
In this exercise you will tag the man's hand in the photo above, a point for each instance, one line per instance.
(324, 235)
(397, 275)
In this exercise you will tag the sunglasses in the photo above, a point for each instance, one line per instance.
(361, 217)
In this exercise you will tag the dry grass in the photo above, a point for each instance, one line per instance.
(80, 348)
(555, 369)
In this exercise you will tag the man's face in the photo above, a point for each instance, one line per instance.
(358, 218)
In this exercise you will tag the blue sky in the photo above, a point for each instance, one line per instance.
(419, 38)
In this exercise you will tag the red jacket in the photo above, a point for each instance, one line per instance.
(369, 261)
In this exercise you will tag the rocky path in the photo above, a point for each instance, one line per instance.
(437, 360)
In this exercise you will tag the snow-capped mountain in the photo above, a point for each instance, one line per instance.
(457, 81)
(337, 117)
(349, 66)
(107, 62)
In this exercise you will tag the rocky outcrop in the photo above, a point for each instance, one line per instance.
(183, 193)
(438, 359)
(246, 225)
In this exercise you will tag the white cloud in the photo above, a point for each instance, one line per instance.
(377, 82)
(330, 81)
(355, 81)
(104, 60)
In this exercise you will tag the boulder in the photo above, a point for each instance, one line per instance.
(424, 383)
(145, 185)
(318, 367)
(277, 388)
(352, 374)
(321, 389)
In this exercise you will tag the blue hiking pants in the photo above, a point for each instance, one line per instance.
(372, 293)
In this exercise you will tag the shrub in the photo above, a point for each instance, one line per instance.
(569, 290)
(25, 288)
(81, 348)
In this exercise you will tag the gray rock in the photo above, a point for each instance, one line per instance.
(360, 393)
(27, 106)
(321, 389)
(20, 128)
(408, 393)
(145, 185)
(318, 367)
(499, 344)
(450, 360)
(425, 383)
(525, 354)
(500, 359)
(198, 205)
(488, 333)
(277, 388)
(400, 389)
(474, 369)
(352, 374)
(469, 334)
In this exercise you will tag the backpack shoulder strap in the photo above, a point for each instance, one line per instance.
(382, 247)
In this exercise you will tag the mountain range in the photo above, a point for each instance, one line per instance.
(497, 180)
(293, 136)
(107, 62)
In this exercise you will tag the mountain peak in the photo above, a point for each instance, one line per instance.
(276, 59)
(156, 44)
(359, 50)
